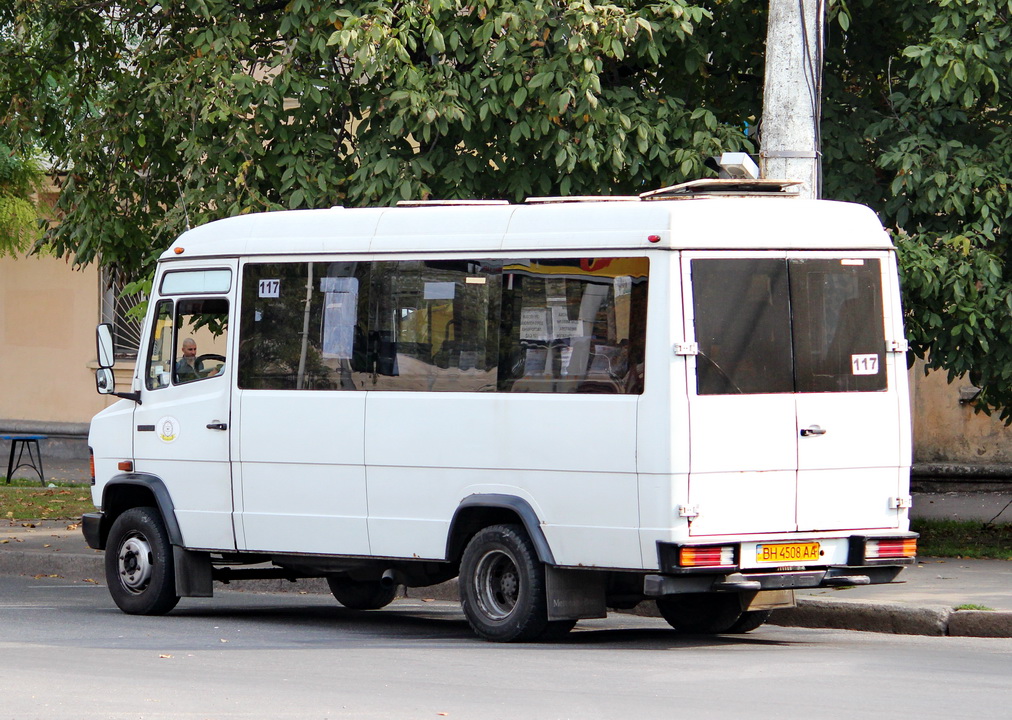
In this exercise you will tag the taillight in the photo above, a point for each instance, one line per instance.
(91, 464)
(890, 548)
(713, 555)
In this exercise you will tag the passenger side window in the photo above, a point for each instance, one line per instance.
(433, 325)
(303, 326)
(574, 325)
(564, 325)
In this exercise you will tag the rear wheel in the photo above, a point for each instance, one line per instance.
(361, 594)
(502, 587)
(749, 621)
(139, 569)
(702, 613)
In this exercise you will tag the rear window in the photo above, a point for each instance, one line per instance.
(775, 325)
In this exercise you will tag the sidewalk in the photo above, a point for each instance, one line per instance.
(923, 604)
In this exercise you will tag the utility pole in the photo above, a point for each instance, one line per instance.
(790, 142)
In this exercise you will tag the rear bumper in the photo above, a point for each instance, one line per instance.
(658, 585)
(853, 566)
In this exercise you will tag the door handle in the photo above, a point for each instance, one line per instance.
(805, 432)
(217, 426)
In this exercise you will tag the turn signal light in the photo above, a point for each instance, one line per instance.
(706, 556)
(891, 548)
(125, 465)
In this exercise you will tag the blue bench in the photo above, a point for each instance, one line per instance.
(20, 443)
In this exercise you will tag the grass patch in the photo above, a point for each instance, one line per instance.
(25, 500)
(973, 606)
(963, 538)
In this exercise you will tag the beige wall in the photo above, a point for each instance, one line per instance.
(48, 313)
(947, 431)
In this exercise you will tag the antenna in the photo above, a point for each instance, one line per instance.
(186, 215)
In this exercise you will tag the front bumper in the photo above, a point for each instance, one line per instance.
(91, 527)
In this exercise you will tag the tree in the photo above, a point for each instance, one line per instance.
(918, 124)
(173, 113)
(219, 107)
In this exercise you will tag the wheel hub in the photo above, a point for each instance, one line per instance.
(497, 584)
(135, 563)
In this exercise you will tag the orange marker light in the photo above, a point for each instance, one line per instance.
(178, 250)
(125, 465)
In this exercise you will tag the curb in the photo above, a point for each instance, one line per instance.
(895, 618)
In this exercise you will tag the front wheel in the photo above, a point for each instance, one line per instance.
(502, 586)
(139, 569)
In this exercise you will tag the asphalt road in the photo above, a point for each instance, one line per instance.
(68, 652)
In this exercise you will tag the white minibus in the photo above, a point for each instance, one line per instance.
(697, 397)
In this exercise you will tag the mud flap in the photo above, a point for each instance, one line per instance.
(193, 573)
(769, 600)
(575, 594)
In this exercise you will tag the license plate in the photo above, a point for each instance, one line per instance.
(787, 552)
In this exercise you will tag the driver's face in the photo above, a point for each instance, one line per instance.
(189, 350)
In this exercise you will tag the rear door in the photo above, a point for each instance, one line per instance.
(794, 414)
(848, 405)
(742, 419)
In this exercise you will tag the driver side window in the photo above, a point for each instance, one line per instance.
(188, 341)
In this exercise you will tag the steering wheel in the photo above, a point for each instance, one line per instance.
(220, 359)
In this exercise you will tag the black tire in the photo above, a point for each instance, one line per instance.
(502, 587)
(701, 613)
(749, 621)
(139, 569)
(361, 594)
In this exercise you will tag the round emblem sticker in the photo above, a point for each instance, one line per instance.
(167, 429)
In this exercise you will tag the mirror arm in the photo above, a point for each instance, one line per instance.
(135, 396)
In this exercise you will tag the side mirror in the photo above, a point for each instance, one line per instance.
(106, 358)
(105, 383)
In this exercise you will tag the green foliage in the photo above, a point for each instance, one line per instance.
(20, 179)
(220, 107)
(169, 114)
(918, 126)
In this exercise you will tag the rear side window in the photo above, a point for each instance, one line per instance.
(771, 325)
(561, 325)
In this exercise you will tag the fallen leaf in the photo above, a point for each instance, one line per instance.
(224, 640)
(47, 545)
(164, 657)
(74, 526)
(90, 580)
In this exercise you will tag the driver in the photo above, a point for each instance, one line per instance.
(188, 367)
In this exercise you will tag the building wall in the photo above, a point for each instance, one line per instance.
(48, 313)
(947, 431)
